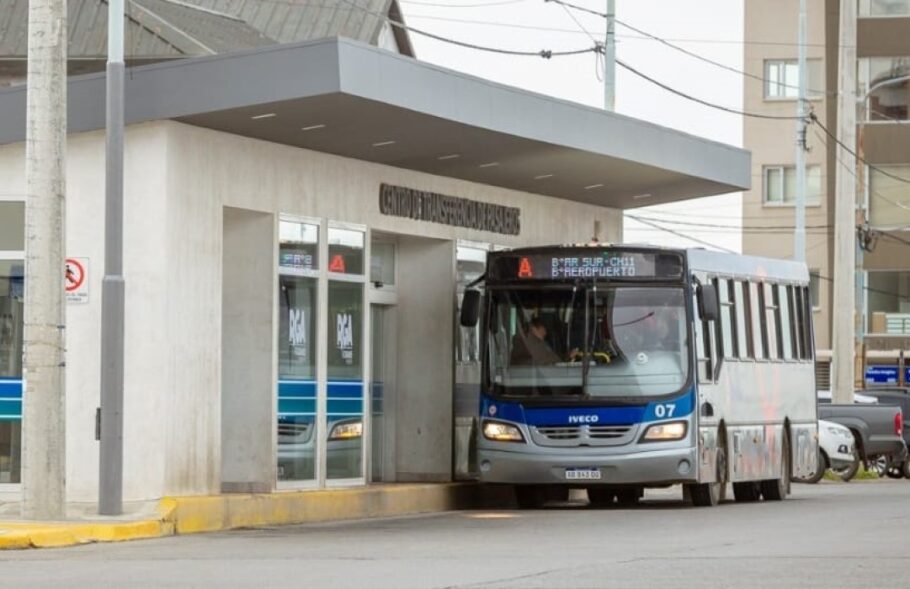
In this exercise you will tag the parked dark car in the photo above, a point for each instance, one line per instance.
(899, 396)
(878, 430)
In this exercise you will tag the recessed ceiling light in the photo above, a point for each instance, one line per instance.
(593, 186)
(451, 156)
(543, 176)
(488, 165)
(383, 143)
(312, 127)
(640, 196)
(267, 115)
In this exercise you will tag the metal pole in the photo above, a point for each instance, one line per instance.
(110, 486)
(799, 238)
(44, 395)
(844, 303)
(610, 58)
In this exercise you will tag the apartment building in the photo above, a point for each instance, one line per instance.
(883, 138)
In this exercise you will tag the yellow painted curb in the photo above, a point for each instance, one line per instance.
(190, 515)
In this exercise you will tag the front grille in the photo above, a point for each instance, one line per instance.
(608, 432)
(560, 432)
(290, 432)
(583, 435)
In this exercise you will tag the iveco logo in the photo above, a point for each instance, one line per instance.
(583, 419)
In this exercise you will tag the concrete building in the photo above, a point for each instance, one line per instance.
(883, 97)
(294, 245)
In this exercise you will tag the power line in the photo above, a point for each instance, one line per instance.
(544, 53)
(701, 101)
(846, 148)
(751, 227)
(684, 236)
(477, 5)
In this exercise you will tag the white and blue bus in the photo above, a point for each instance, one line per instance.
(616, 368)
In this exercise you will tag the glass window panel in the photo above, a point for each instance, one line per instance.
(728, 318)
(786, 327)
(298, 245)
(345, 381)
(805, 325)
(773, 185)
(885, 85)
(297, 425)
(782, 79)
(345, 251)
(12, 226)
(790, 187)
(758, 329)
(382, 263)
(884, 8)
(470, 265)
(814, 285)
(11, 330)
(743, 335)
(889, 198)
(772, 320)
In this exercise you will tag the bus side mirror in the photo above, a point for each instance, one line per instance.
(706, 295)
(470, 308)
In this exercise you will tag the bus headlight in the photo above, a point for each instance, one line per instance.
(664, 432)
(346, 431)
(501, 432)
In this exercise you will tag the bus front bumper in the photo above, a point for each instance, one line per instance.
(648, 467)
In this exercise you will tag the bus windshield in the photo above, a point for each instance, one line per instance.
(588, 343)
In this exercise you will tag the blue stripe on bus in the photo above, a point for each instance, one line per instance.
(680, 406)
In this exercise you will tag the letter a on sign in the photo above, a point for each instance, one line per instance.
(524, 268)
(337, 263)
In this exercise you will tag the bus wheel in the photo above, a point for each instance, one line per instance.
(777, 489)
(710, 494)
(746, 492)
(601, 496)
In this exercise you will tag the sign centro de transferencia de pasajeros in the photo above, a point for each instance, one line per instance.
(421, 205)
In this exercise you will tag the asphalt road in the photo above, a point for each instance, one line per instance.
(828, 535)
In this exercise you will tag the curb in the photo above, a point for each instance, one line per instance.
(191, 515)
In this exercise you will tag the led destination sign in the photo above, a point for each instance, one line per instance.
(591, 265)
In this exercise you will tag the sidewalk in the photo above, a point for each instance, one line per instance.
(188, 515)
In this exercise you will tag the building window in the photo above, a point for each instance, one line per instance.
(885, 86)
(814, 288)
(782, 79)
(298, 245)
(888, 300)
(884, 8)
(889, 197)
(779, 185)
(12, 226)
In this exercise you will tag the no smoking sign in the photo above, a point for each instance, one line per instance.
(75, 280)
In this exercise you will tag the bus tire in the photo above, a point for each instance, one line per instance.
(746, 492)
(777, 489)
(601, 496)
(820, 469)
(906, 468)
(710, 494)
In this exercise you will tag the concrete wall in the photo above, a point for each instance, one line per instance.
(179, 179)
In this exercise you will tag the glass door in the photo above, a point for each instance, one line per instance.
(382, 383)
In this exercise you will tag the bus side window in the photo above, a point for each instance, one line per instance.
(743, 334)
(772, 321)
(806, 325)
(785, 329)
(758, 328)
(705, 348)
(796, 324)
(727, 319)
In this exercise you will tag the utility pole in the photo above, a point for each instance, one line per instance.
(110, 485)
(44, 394)
(799, 238)
(610, 58)
(844, 314)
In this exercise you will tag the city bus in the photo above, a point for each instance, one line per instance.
(616, 368)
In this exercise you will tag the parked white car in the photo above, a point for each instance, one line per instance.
(836, 451)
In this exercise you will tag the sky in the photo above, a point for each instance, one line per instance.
(712, 28)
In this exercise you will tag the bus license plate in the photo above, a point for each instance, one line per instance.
(582, 474)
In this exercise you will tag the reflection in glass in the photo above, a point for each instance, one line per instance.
(297, 378)
(345, 251)
(382, 263)
(885, 82)
(11, 329)
(345, 380)
(298, 245)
